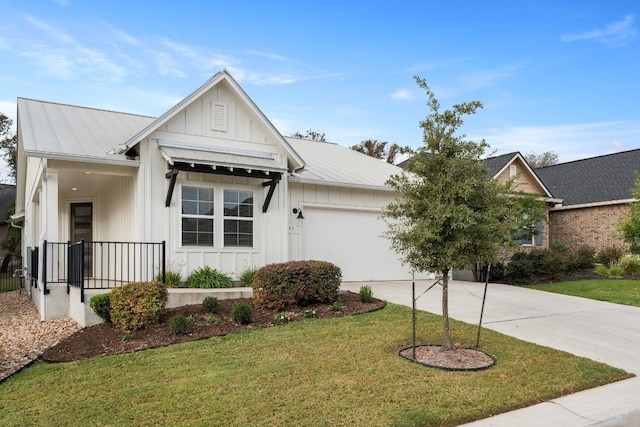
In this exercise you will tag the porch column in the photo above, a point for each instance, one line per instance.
(50, 207)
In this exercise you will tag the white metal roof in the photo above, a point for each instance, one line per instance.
(62, 130)
(333, 164)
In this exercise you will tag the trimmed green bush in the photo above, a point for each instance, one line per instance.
(137, 304)
(630, 263)
(179, 325)
(366, 294)
(207, 277)
(101, 306)
(296, 282)
(242, 313)
(210, 305)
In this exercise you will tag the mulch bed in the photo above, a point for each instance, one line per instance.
(104, 339)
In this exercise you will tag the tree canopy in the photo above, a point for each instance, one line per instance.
(450, 214)
(630, 226)
(548, 158)
(311, 135)
(8, 145)
(378, 149)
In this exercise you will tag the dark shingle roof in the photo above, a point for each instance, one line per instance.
(597, 179)
(495, 164)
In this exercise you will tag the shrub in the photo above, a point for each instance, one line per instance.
(179, 325)
(241, 313)
(602, 270)
(211, 319)
(366, 294)
(336, 306)
(172, 279)
(282, 318)
(246, 278)
(207, 277)
(101, 306)
(296, 282)
(496, 274)
(309, 313)
(609, 256)
(519, 271)
(210, 305)
(582, 258)
(616, 270)
(630, 263)
(137, 304)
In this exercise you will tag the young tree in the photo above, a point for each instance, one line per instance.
(450, 213)
(377, 149)
(630, 227)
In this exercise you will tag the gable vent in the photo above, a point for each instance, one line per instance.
(219, 116)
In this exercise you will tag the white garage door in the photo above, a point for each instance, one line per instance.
(351, 239)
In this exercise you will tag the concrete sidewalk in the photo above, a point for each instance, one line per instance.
(601, 331)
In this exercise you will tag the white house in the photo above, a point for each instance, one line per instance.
(210, 182)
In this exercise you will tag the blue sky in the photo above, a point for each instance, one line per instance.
(561, 76)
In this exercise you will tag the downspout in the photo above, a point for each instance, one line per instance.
(24, 258)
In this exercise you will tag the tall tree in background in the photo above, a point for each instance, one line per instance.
(8, 145)
(311, 135)
(548, 158)
(630, 227)
(449, 215)
(378, 149)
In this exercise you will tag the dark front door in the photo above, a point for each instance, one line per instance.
(82, 228)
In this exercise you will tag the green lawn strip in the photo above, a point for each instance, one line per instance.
(342, 371)
(618, 291)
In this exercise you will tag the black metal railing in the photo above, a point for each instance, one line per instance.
(101, 264)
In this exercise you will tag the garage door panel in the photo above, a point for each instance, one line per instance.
(354, 241)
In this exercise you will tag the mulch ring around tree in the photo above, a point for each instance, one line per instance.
(105, 339)
(460, 359)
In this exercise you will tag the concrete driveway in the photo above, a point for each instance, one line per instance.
(601, 331)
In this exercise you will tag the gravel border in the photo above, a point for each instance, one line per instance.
(24, 338)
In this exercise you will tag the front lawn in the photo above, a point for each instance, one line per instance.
(342, 371)
(611, 290)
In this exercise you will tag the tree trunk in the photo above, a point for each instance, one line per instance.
(448, 344)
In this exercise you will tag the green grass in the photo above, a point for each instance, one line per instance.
(342, 371)
(611, 290)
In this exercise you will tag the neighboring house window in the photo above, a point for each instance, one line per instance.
(197, 216)
(532, 239)
(513, 171)
(238, 218)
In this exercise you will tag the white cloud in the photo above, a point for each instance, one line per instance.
(617, 33)
(403, 95)
(571, 141)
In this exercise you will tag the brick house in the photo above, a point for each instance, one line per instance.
(596, 194)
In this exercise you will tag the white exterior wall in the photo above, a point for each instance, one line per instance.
(243, 131)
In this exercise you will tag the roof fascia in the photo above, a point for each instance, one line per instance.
(339, 184)
(116, 161)
(593, 205)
